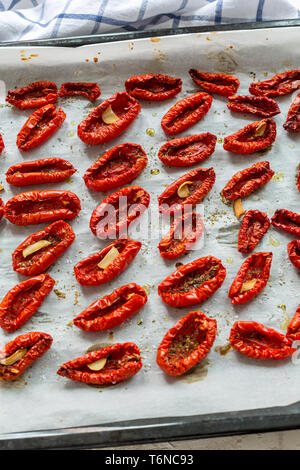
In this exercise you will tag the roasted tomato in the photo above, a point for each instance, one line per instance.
(219, 83)
(189, 189)
(252, 278)
(35, 95)
(293, 249)
(119, 165)
(246, 181)
(292, 123)
(187, 151)
(88, 90)
(48, 170)
(287, 220)
(115, 213)
(185, 113)
(259, 342)
(37, 207)
(109, 365)
(1, 208)
(257, 105)
(1, 144)
(186, 343)
(107, 263)
(254, 137)
(40, 126)
(153, 86)
(23, 300)
(254, 226)
(41, 249)
(113, 309)
(185, 231)
(281, 84)
(293, 329)
(21, 352)
(109, 119)
(192, 283)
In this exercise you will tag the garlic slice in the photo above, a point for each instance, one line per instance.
(238, 208)
(108, 116)
(35, 247)
(138, 195)
(97, 365)
(130, 295)
(15, 357)
(260, 130)
(183, 190)
(248, 285)
(108, 258)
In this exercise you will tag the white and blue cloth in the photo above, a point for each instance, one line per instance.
(39, 19)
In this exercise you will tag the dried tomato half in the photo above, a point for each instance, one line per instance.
(23, 300)
(119, 165)
(189, 189)
(252, 278)
(108, 120)
(185, 230)
(259, 342)
(186, 344)
(41, 249)
(1, 144)
(37, 207)
(281, 84)
(252, 138)
(107, 263)
(219, 83)
(257, 105)
(115, 213)
(153, 86)
(187, 151)
(1, 208)
(293, 329)
(287, 220)
(34, 95)
(193, 282)
(254, 226)
(292, 123)
(48, 170)
(246, 181)
(185, 113)
(298, 179)
(293, 249)
(40, 126)
(21, 352)
(109, 365)
(113, 309)
(89, 90)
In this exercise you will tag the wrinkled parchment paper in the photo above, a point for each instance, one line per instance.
(41, 399)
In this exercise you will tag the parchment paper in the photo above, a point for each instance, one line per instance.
(43, 400)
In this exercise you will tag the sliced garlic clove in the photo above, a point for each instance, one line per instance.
(138, 195)
(29, 250)
(248, 285)
(108, 116)
(97, 365)
(108, 258)
(130, 295)
(183, 190)
(15, 357)
(238, 208)
(260, 130)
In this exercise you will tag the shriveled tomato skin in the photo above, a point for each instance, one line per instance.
(245, 142)
(93, 129)
(206, 325)
(134, 298)
(220, 83)
(256, 105)
(132, 155)
(1, 144)
(77, 368)
(185, 113)
(153, 86)
(46, 93)
(48, 170)
(255, 340)
(254, 226)
(1, 208)
(260, 263)
(279, 85)
(37, 344)
(187, 151)
(39, 287)
(172, 296)
(293, 249)
(293, 329)
(89, 90)
(287, 220)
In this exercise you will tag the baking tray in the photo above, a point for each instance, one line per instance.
(159, 429)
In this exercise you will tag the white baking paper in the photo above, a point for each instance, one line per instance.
(41, 399)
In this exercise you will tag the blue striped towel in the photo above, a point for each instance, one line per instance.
(38, 19)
